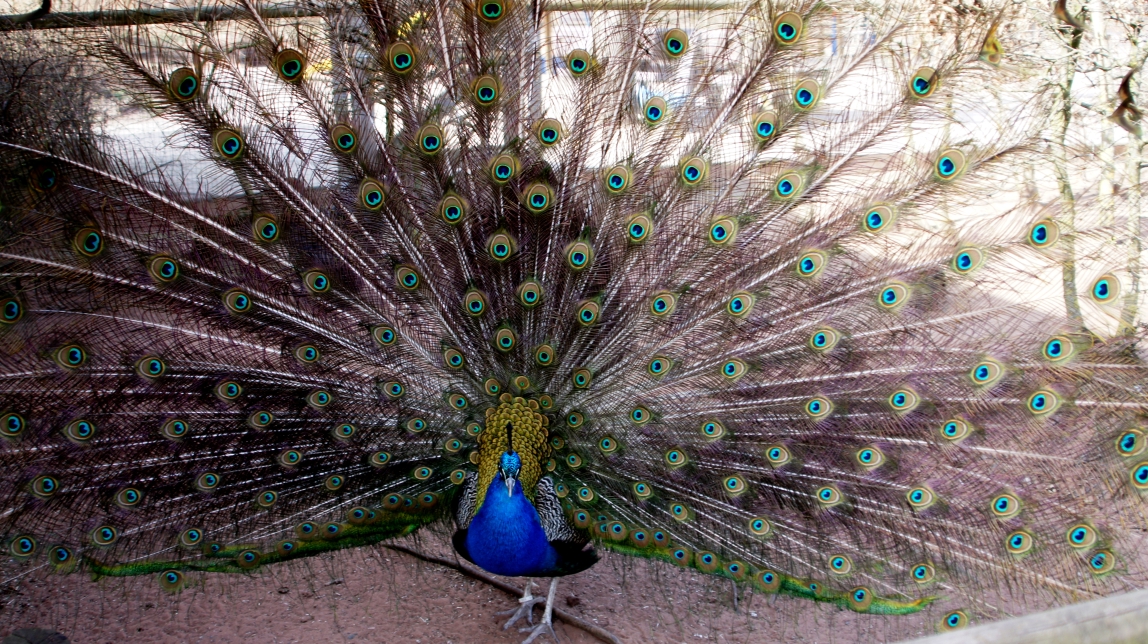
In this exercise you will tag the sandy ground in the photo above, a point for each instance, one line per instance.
(379, 595)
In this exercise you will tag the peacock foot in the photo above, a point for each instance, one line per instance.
(525, 607)
(545, 625)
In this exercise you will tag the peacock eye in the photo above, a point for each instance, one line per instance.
(344, 139)
(384, 335)
(723, 231)
(290, 64)
(544, 355)
(893, 296)
(787, 28)
(658, 366)
(1106, 289)
(492, 10)
(1044, 233)
(183, 84)
(1043, 402)
(734, 485)
(693, 170)
(733, 369)
(1102, 561)
(663, 304)
(237, 301)
(920, 498)
(675, 43)
(105, 535)
(805, 94)
(675, 458)
(452, 209)
(638, 228)
(207, 482)
(923, 82)
(713, 430)
(904, 401)
(474, 303)
(401, 57)
(80, 431)
(824, 339)
(538, 198)
(505, 339)
(503, 168)
(923, 573)
(1019, 542)
(453, 359)
(11, 310)
(548, 131)
(870, 458)
(129, 497)
(71, 356)
(777, 455)
(760, 526)
(788, 185)
(88, 242)
(529, 293)
(810, 264)
(493, 388)
(617, 179)
(967, 260)
(578, 62)
(163, 269)
(955, 430)
(229, 144)
(1130, 442)
(654, 110)
(372, 194)
(485, 90)
(954, 620)
(587, 313)
(828, 496)
(840, 565)
(260, 419)
(764, 125)
(818, 407)
(949, 165)
(878, 218)
(1005, 506)
(319, 399)
(407, 278)
(1081, 536)
(639, 415)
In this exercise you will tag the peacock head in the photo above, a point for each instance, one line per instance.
(510, 463)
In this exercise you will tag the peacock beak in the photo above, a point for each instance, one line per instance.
(509, 484)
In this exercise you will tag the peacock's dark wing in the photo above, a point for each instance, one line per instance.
(575, 552)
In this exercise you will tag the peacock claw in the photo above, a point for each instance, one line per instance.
(545, 625)
(525, 607)
(542, 628)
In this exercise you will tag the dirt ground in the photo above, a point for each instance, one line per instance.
(381, 596)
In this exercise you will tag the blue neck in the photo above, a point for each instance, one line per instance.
(506, 536)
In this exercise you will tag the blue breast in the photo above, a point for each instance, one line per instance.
(506, 536)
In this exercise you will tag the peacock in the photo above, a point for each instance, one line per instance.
(764, 290)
